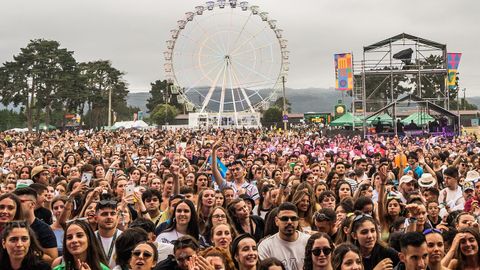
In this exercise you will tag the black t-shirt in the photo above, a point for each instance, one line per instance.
(378, 254)
(45, 235)
(41, 265)
(44, 215)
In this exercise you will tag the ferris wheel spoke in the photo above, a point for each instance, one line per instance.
(254, 49)
(202, 44)
(222, 94)
(248, 40)
(205, 76)
(206, 34)
(233, 95)
(195, 54)
(199, 66)
(241, 31)
(242, 90)
(212, 89)
(252, 70)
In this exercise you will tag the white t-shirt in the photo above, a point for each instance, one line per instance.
(291, 254)
(164, 249)
(168, 237)
(454, 200)
(106, 245)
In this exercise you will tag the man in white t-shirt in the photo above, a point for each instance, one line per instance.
(451, 197)
(107, 220)
(288, 245)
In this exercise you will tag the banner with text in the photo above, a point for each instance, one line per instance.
(453, 59)
(343, 71)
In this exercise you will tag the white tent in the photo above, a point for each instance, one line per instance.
(140, 124)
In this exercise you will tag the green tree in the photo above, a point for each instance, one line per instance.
(163, 114)
(100, 78)
(37, 78)
(279, 104)
(11, 119)
(158, 94)
(272, 116)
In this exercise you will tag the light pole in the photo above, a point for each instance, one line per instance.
(284, 104)
(464, 100)
(109, 106)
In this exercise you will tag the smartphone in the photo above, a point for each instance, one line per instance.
(86, 178)
(129, 189)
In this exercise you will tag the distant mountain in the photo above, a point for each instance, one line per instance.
(302, 100)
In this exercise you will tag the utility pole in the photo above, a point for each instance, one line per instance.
(109, 106)
(284, 105)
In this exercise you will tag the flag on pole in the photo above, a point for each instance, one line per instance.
(343, 71)
(221, 167)
(453, 60)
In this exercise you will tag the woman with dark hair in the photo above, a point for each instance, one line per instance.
(125, 244)
(266, 201)
(272, 264)
(332, 179)
(243, 221)
(20, 249)
(218, 215)
(10, 209)
(343, 190)
(464, 252)
(318, 252)
(81, 249)
(244, 252)
(365, 234)
(183, 222)
(271, 227)
(99, 171)
(347, 257)
(58, 206)
(144, 256)
(25, 172)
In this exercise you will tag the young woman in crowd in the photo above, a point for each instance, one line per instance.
(343, 190)
(58, 206)
(206, 201)
(81, 249)
(218, 215)
(318, 252)
(20, 248)
(436, 249)
(222, 235)
(10, 209)
(464, 252)
(218, 258)
(347, 257)
(365, 234)
(305, 209)
(244, 252)
(144, 256)
(183, 222)
(243, 221)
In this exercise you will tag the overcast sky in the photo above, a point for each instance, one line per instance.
(132, 34)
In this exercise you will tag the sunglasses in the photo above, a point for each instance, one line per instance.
(321, 217)
(76, 219)
(287, 218)
(357, 218)
(326, 251)
(138, 253)
(429, 231)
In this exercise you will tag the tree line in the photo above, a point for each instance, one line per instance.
(46, 82)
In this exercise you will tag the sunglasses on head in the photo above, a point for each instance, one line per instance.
(325, 250)
(357, 218)
(138, 253)
(321, 217)
(287, 218)
(108, 203)
(429, 231)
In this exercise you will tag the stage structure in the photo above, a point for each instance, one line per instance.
(227, 61)
(402, 74)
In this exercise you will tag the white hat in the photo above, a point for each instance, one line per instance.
(405, 179)
(472, 176)
(427, 180)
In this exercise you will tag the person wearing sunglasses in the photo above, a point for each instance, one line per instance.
(144, 256)
(20, 248)
(81, 249)
(289, 243)
(365, 234)
(318, 252)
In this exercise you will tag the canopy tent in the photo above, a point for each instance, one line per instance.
(140, 124)
(384, 118)
(346, 120)
(419, 118)
(43, 126)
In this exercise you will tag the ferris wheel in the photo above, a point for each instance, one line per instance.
(226, 57)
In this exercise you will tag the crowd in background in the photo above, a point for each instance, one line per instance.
(237, 199)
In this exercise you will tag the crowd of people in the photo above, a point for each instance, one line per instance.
(246, 199)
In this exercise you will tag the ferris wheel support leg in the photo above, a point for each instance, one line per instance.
(244, 93)
(235, 115)
(210, 91)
